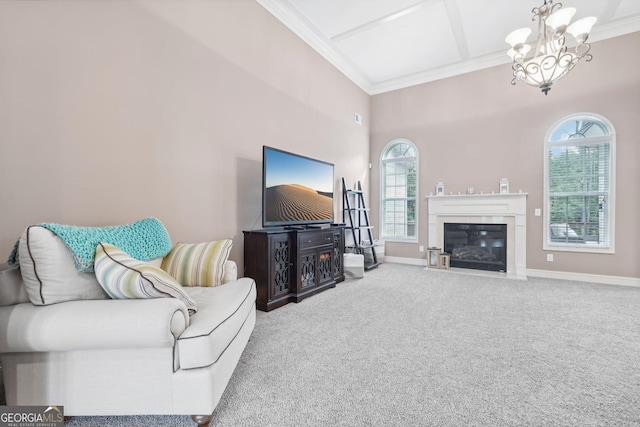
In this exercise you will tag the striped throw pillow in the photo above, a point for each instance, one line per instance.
(198, 264)
(124, 277)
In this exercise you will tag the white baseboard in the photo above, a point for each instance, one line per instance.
(410, 261)
(548, 274)
(584, 277)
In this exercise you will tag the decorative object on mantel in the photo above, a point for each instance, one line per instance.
(504, 186)
(440, 189)
(551, 60)
(471, 190)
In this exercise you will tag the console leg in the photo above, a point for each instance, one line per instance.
(202, 420)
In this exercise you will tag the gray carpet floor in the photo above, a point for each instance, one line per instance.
(407, 346)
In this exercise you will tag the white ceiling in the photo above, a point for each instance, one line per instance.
(384, 45)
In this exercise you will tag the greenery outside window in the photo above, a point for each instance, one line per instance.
(579, 185)
(399, 191)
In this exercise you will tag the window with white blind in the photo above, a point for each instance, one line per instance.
(579, 185)
(399, 191)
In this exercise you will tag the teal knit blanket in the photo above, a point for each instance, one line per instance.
(144, 240)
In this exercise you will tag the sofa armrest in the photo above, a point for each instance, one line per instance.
(230, 272)
(92, 324)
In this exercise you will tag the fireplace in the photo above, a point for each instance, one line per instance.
(509, 209)
(477, 246)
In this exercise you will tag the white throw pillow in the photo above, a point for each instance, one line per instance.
(48, 271)
(124, 277)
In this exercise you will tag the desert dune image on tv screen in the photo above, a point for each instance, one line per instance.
(297, 189)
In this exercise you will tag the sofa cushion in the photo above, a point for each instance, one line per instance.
(124, 277)
(48, 270)
(222, 311)
(198, 264)
(12, 289)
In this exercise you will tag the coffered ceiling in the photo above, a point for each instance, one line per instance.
(384, 45)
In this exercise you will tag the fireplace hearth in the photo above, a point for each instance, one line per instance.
(477, 246)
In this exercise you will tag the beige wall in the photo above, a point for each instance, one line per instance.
(114, 111)
(474, 129)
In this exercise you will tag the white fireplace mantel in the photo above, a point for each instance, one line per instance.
(509, 209)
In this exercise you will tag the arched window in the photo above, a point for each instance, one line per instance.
(399, 190)
(579, 185)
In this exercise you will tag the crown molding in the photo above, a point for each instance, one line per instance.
(440, 73)
(615, 28)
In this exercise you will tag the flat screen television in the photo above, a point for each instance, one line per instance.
(296, 190)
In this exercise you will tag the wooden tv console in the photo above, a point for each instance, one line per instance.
(293, 264)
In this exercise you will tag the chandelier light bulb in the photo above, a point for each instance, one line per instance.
(559, 20)
(518, 37)
(581, 28)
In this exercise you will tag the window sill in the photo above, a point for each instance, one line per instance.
(399, 239)
(582, 248)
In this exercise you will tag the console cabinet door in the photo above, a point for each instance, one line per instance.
(307, 276)
(268, 261)
(315, 267)
(337, 255)
(325, 264)
(280, 268)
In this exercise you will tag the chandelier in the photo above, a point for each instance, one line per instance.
(551, 59)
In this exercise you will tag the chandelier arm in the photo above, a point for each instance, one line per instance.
(536, 13)
(531, 72)
(566, 63)
(582, 50)
(554, 7)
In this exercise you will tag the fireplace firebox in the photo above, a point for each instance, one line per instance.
(477, 246)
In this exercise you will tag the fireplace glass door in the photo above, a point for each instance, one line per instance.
(477, 246)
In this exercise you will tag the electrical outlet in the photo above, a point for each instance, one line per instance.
(550, 257)
(421, 248)
(537, 212)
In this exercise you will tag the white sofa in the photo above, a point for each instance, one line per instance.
(100, 356)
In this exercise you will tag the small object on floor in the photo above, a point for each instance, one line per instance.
(353, 266)
(444, 260)
(433, 260)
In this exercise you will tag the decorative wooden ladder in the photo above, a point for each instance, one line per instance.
(355, 215)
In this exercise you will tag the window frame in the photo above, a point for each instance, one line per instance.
(605, 248)
(382, 162)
